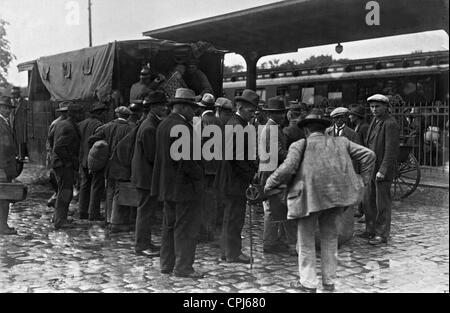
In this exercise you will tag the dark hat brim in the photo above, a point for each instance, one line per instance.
(356, 114)
(183, 101)
(240, 98)
(274, 110)
(308, 121)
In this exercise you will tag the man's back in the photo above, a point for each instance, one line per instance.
(87, 128)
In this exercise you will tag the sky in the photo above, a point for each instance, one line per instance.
(45, 27)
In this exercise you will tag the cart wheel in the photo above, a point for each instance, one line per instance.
(407, 178)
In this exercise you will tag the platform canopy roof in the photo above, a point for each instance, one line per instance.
(288, 25)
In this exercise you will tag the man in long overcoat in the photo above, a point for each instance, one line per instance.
(8, 163)
(142, 171)
(383, 139)
(65, 161)
(234, 176)
(177, 180)
(321, 181)
(92, 185)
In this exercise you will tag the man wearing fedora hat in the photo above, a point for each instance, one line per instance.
(65, 161)
(18, 120)
(296, 112)
(92, 185)
(179, 184)
(142, 170)
(383, 139)
(112, 132)
(9, 168)
(275, 211)
(321, 180)
(233, 178)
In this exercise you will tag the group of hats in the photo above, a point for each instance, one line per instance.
(317, 115)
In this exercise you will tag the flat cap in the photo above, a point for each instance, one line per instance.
(224, 103)
(63, 106)
(339, 111)
(123, 110)
(378, 98)
(207, 101)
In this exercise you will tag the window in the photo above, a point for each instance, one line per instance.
(307, 95)
(261, 93)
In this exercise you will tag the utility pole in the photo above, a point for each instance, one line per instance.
(90, 23)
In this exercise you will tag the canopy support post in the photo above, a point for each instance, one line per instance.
(251, 59)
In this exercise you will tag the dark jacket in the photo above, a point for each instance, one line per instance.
(361, 130)
(7, 151)
(383, 139)
(112, 133)
(66, 144)
(234, 176)
(347, 132)
(174, 180)
(87, 129)
(209, 118)
(144, 153)
(293, 133)
(199, 82)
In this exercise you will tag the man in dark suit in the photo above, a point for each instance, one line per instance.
(233, 177)
(142, 171)
(65, 161)
(112, 132)
(356, 117)
(177, 180)
(339, 127)
(275, 211)
(9, 166)
(297, 111)
(92, 185)
(383, 139)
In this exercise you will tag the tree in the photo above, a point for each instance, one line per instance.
(232, 69)
(5, 54)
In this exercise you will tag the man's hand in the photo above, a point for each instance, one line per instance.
(380, 176)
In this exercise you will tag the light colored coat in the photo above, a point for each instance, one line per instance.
(326, 178)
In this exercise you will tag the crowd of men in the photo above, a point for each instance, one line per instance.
(326, 164)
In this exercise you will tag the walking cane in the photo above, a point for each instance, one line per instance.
(252, 194)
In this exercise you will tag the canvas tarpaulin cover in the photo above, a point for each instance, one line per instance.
(78, 75)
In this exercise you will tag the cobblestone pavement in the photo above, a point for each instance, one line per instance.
(89, 259)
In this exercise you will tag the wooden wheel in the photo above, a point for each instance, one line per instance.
(406, 179)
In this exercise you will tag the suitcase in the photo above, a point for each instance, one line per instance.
(13, 192)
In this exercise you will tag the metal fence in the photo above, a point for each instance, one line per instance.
(425, 127)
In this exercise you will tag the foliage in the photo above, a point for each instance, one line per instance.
(5, 54)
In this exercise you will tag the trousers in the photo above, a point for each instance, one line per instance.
(328, 246)
(92, 186)
(65, 178)
(144, 219)
(233, 222)
(4, 205)
(378, 208)
(181, 221)
(276, 228)
(208, 210)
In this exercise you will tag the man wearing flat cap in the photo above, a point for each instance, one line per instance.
(318, 192)
(357, 118)
(279, 235)
(233, 178)
(9, 166)
(112, 132)
(383, 139)
(178, 182)
(92, 185)
(224, 109)
(147, 83)
(65, 161)
(142, 170)
(339, 127)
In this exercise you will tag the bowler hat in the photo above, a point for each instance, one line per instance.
(207, 101)
(224, 104)
(6, 101)
(316, 117)
(98, 106)
(340, 111)
(184, 96)
(123, 110)
(378, 98)
(248, 96)
(357, 111)
(275, 104)
(155, 97)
